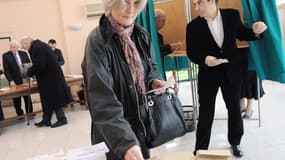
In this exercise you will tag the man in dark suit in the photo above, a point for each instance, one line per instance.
(1, 110)
(211, 43)
(13, 65)
(51, 82)
(165, 49)
(57, 52)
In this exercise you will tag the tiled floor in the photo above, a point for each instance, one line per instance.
(19, 141)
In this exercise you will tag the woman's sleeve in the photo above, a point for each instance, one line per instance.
(244, 33)
(153, 73)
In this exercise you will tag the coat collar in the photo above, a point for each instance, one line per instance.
(225, 26)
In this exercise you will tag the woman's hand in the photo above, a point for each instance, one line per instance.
(134, 153)
(157, 84)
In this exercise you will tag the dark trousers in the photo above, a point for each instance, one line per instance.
(208, 84)
(28, 105)
(47, 114)
(1, 112)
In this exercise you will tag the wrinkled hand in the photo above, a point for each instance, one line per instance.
(259, 27)
(156, 84)
(134, 153)
(212, 61)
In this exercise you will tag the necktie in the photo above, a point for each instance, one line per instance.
(18, 59)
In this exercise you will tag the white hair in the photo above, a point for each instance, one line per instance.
(14, 43)
(109, 4)
(159, 12)
(27, 39)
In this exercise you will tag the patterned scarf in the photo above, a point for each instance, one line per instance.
(131, 53)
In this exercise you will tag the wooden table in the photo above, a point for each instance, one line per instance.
(178, 54)
(28, 89)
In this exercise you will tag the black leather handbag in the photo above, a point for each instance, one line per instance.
(163, 118)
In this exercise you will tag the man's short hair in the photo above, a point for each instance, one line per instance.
(52, 41)
(216, 1)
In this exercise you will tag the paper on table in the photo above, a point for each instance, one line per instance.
(95, 152)
(4, 89)
(74, 76)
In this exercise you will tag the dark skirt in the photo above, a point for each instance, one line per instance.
(249, 88)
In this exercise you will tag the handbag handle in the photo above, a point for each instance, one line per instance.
(167, 91)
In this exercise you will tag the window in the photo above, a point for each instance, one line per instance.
(279, 2)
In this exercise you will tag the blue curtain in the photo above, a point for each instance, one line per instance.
(176, 63)
(267, 56)
(147, 20)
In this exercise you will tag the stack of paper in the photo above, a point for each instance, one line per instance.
(95, 152)
(73, 76)
(213, 155)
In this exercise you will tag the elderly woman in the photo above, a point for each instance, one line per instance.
(118, 69)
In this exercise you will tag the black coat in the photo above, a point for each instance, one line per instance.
(59, 56)
(201, 43)
(11, 68)
(111, 94)
(51, 82)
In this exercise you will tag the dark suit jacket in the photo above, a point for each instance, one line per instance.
(200, 43)
(51, 83)
(59, 56)
(165, 49)
(11, 68)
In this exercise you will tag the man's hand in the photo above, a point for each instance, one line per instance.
(134, 153)
(12, 83)
(212, 61)
(259, 27)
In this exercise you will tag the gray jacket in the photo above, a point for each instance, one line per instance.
(111, 93)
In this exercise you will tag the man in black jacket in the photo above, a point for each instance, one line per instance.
(57, 52)
(1, 110)
(211, 43)
(51, 83)
(14, 64)
(165, 49)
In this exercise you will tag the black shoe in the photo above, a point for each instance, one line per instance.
(194, 153)
(42, 123)
(59, 123)
(237, 152)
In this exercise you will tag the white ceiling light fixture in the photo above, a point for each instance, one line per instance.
(76, 26)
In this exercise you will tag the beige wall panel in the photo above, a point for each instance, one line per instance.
(45, 19)
(174, 29)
